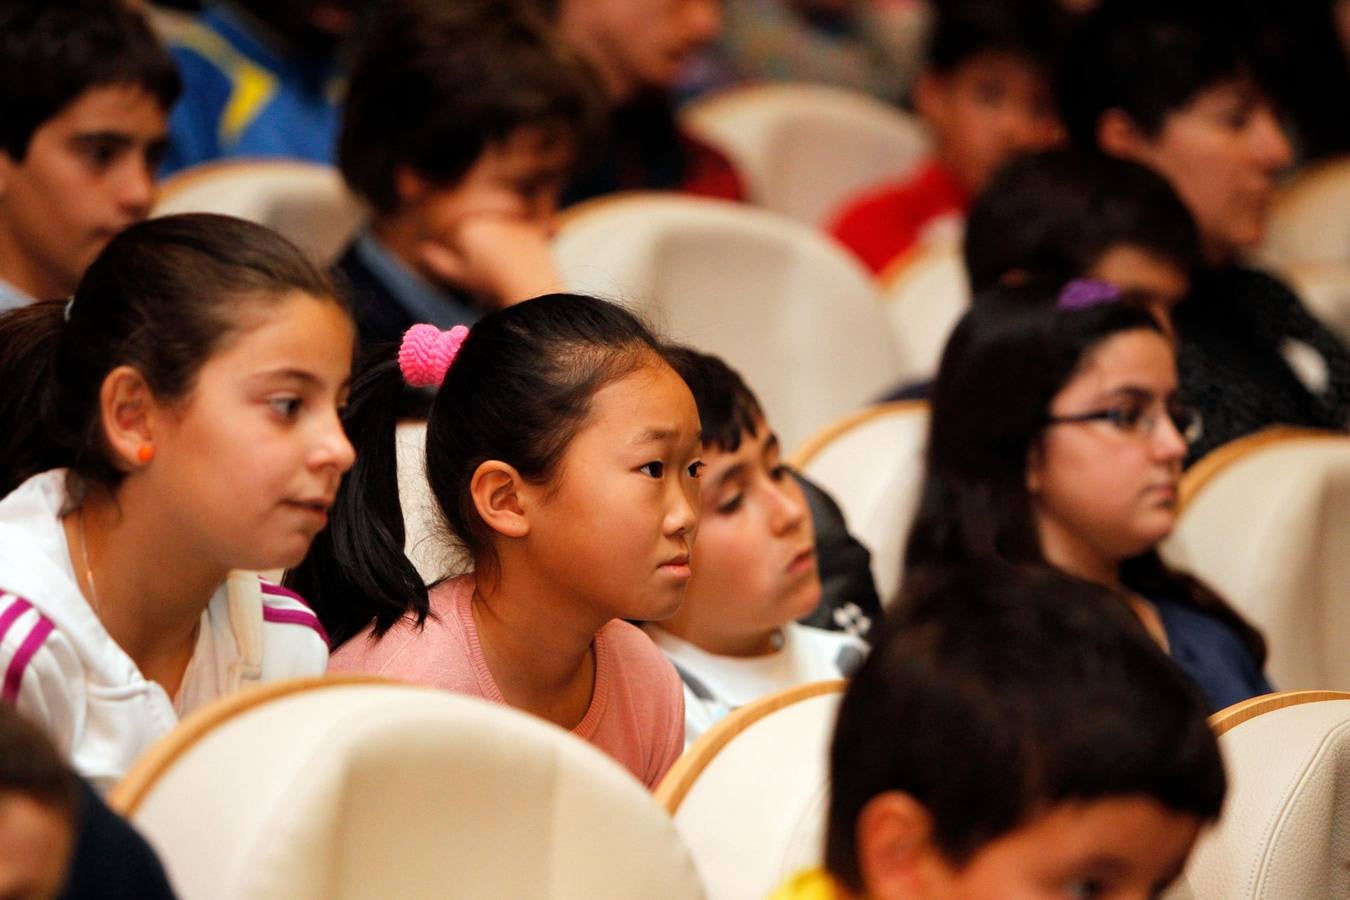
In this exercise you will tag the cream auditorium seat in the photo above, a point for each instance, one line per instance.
(1285, 829)
(804, 150)
(872, 464)
(1265, 521)
(307, 202)
(784, 305)
(1310, 217)
(925, 292)
(750, 795)
(356, 787)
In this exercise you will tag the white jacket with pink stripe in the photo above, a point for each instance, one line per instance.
(62, 668)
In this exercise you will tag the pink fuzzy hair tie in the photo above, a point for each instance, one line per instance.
(427, 352)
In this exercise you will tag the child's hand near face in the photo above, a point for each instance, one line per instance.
(501, 256)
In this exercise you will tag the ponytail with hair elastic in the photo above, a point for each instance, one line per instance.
(29, 340)
(518, 391)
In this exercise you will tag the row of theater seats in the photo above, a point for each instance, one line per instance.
(362, 788)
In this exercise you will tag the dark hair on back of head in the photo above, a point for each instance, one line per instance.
(727, 409)
(963, 30)
(163, 296)
(1060, 211)
(1007, 693)
(1147, 58)
(1008, 357)
(52, 52)
(519, 391)
(435, 84)
(30, 765)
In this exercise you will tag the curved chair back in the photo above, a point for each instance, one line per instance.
(780, 302)
(358, 788)
(750, 795)
(1265, 521)
(803, 149)
(871, 463)
(925, 293)
(1310, 218)
(1283, 834)
(306, 202)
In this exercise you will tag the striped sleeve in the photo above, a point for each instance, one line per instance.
(42, 675)
(295, 643)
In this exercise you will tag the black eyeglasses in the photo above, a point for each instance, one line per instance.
(1139, 420)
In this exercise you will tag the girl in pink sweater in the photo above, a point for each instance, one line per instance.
(562, 451)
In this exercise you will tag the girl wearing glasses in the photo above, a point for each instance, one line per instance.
(1057, 438)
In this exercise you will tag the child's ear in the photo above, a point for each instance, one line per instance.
(1035, 465)
(497, 491)
(894, 838)
(1118, 135)
(130, 416)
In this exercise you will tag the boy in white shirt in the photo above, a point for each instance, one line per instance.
(736, 637)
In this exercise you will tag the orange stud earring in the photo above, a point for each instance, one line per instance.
(145, 453)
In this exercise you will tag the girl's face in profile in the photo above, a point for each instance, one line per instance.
(1104, 488)
(250, 462)
(615, 527)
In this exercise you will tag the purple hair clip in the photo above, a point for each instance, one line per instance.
(1082, 293)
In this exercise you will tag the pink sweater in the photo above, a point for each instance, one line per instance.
(637, 708)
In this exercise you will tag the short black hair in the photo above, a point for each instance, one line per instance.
(52, 52)
(965, 29)
(1147, 58)
(727, 408)
(994, 694)
(436, 83)
(1057, 212)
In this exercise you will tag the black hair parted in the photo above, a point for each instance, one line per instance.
(436, 83)
(518, 391)
(963, 30)
(161, 297)
(52, 52)
(727, 409)
(1009, 692)
(1059, 211)
(1148, 59)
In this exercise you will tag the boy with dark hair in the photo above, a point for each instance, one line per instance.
(1071, 213)
(1040, 744)
(1249, 354)
(462, 123)
(86, 89)
(985, 94)
(762, 552)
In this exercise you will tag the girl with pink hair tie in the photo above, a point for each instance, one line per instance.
(562, 452)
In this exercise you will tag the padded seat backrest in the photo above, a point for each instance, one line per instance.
(804, 150)
(306, 202)
(342, 789)
(1266, 523)
(750, 796)
(1285, 830)
(791, 311)
(872, 463)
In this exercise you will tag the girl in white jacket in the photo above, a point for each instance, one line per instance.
(169, 430)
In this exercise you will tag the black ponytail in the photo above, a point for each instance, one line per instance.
(375, 583)
(519, 390)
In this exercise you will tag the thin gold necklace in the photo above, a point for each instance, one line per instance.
(88, 569)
